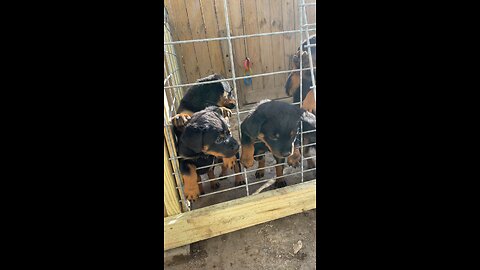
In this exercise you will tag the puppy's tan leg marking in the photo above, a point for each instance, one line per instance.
(247, 155)
(190, 183)
(261, 171)
(229, 162)
(309, 103)
(238, 178)
(295, 158)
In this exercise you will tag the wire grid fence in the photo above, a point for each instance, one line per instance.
(176, 91)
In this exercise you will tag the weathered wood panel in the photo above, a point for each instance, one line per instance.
(211, 221)
(196, 19)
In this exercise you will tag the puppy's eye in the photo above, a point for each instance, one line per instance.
(220, 139)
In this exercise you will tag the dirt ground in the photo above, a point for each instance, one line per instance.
(266, 246)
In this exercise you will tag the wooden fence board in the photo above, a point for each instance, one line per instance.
(178, 19)
(226, 217)
(266, 56)
(211, 29)
(236, 29)
(192, 19)
(278, 49)
(197, 28)
(253, 45)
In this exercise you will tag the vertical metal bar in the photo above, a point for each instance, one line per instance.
(301, 85)
(314, 87)
(230, 50)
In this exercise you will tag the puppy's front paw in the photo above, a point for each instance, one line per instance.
(180, 120)
(239, 180)
(229, 162)
(226, 112)
(192, 192)
(246, 161)
(294, 159)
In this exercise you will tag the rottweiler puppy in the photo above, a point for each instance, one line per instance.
(292, 88)
(273, 126)
(199, 97)
(205, 138)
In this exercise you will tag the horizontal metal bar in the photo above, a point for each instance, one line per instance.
(309, 24)
(240, 78)
(247, 111)
(178, 157)
(248, 171)
(234, 37)
(311, 45)
(250, 184)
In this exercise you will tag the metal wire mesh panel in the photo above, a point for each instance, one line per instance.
(174, 89)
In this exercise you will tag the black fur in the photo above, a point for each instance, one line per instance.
(205, 128)
(278, 122)
(198, 97)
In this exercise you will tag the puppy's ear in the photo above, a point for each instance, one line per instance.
(251, 126)
(309, 118)
(191, 141)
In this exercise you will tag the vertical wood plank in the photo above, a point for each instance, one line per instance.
(222, 32)
(278, 49)
(266, 47)
(179, 24)
(197, 28)
(311, 12)
(253, 44)
(236, 28)
(171, 152)
(289, 39)
(172, 50)
(211, 29)
(298, 36)
(170, 197)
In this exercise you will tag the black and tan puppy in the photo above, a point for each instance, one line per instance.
(206, 137)
(292, 88)
(273, 126)
(199, 97)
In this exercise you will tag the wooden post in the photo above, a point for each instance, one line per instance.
(211, 221)
(170, 197)
(169, 180)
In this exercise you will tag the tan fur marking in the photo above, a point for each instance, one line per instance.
(229, 162)
(261, 137)
(190, 183)
(295, 158)
(247, 155)
(238, 178)
(309, 103)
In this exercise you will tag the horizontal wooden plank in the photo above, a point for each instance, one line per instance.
(211, 221)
